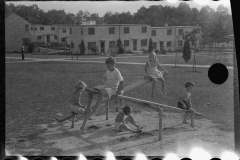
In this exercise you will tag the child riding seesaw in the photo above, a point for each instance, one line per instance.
(76, 106)
(153, 73)
(111, 88)
(184, 102)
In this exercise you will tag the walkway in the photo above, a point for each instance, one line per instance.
(28, 60)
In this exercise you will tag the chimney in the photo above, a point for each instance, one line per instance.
(166, 24)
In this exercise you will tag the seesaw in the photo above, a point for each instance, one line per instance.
(106, 100)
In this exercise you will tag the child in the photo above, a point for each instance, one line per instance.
(153, 73)
(76, 106)
(112, 86)
(76, 97)
(121, 123)
(184, 102)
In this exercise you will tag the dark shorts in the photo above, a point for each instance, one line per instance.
(179, 105)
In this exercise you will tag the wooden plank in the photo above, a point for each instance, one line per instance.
(151, 103)
(136, 84)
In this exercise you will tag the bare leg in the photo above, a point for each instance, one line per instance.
(163, 85)
(192, 118)
(185, 118)
(153, 87)
(87, 115)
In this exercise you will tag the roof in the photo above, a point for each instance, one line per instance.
(18, 16)
(111, 25)
(175, 27)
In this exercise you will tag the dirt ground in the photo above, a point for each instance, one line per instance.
(177, 138)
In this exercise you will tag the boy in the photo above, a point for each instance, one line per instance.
(113, 86)
(184, 102)
(121, 123)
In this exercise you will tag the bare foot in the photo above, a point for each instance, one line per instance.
(193, 127)
(83, 130)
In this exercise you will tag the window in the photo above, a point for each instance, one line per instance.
(144, 42)
(64, 31)
(70, 30)
(126, 42)
(91, 44)
(111, 30)
(91, 31)
(31, 28)
(41, 28)
(154, 45)
(144, 29)
(126, 29)
(169, 32)
(154, 33)
(62, 39)
(52, 28)
(111, 44)
(168, 43)
(39, 37)
(35, 28)
(180, 31)
(55, 36)
(26, 27)
(25, 41)
(72, 45)
(180, 43)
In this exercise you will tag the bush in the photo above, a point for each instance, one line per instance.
(144, 51)
(120, 48)
(186, 51)
(31, 46)
(150, 46)
(82, 48)
(94, 49)
(157, 51)
(163, 51)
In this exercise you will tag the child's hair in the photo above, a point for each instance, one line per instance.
(80, 85)
(127, 110)
(110, 60)
(154, 54)
(189, 83)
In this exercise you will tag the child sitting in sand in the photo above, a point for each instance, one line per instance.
(184, 102)
(113, 86)
(121, 123)
(153, 73)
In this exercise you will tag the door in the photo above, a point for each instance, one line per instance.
(134, 44)
(102, 44)
(161, 45)
(48, 38)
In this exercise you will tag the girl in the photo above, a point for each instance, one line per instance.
(153, 73)
(121, 123)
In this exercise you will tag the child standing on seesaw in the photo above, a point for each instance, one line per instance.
(184, 102)
(153, 73)
(121, 123)
(113, 86)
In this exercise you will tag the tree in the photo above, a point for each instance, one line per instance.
(187, 50)
(150, 46)
(82, 48)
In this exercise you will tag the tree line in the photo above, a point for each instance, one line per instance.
(214, 23)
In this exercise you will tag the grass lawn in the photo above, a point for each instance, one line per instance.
(37, 91)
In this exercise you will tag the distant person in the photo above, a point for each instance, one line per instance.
(113, 86)
(153, 73)
(184, 102)
(121, 123)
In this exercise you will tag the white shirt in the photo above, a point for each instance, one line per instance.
(113, 78)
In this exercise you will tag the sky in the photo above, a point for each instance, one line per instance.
(115, 6)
